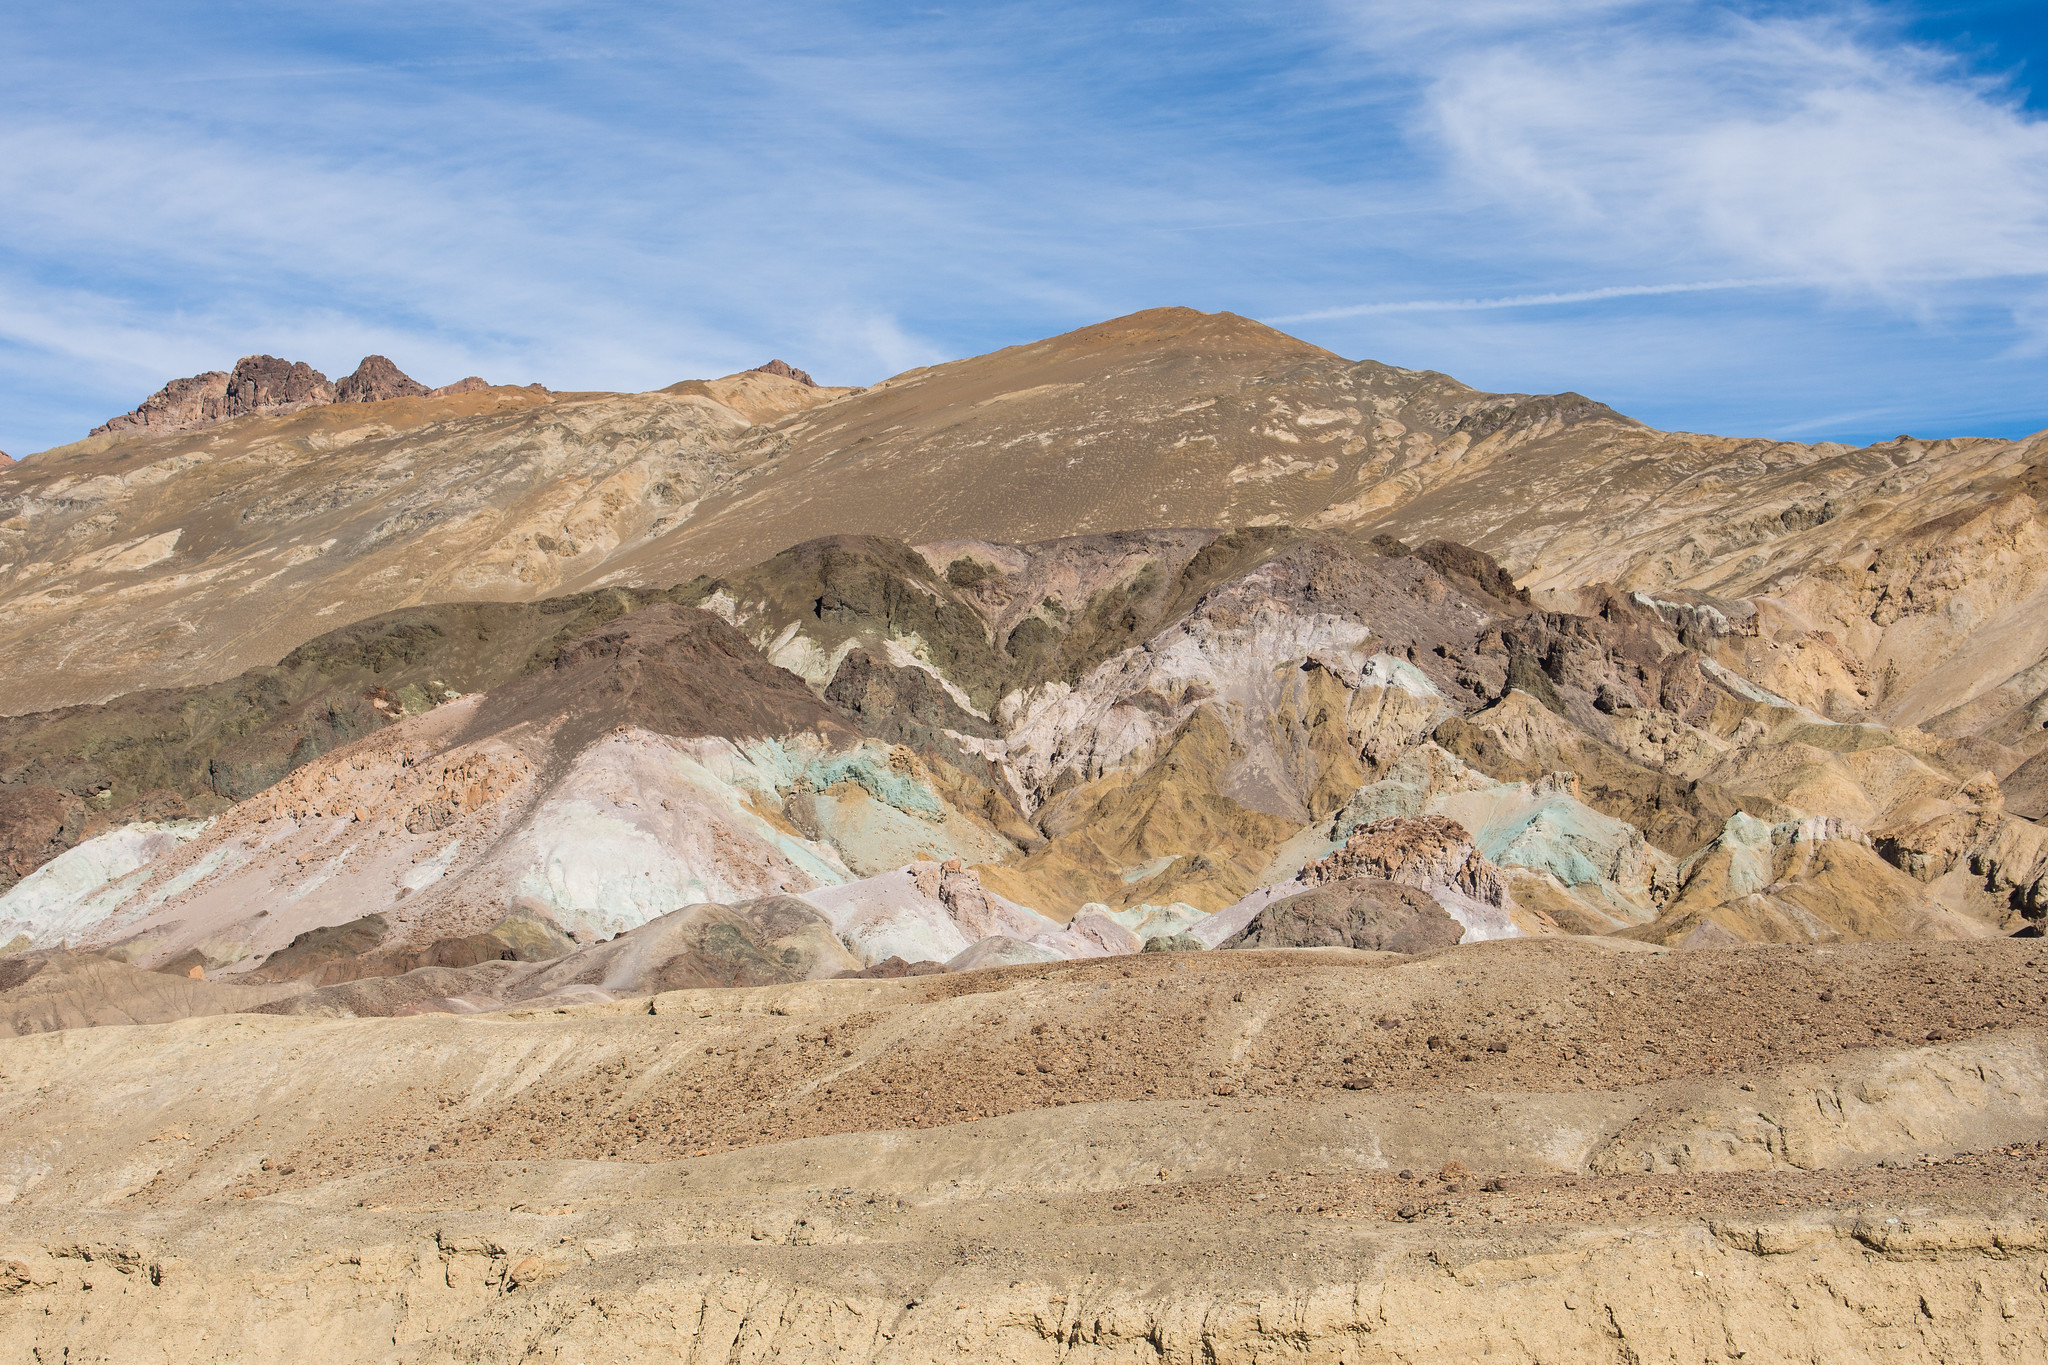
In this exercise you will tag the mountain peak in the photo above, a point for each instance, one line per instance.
(1179, 328)
(786, 370)
(375, 380)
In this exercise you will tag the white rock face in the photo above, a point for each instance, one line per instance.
(442, 839)
(928, 913)
(73, 892)
(1146, 922)
(643, 824)
(1236, 667)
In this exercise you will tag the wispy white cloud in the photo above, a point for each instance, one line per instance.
(1817, 147)
(1608, 193)
(1613, 291)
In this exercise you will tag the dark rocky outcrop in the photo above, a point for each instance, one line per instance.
(893, 969)
(786, 370)
(1359, 912)
(770, 941)
(375, 380)
(1174, 943)
(182, 403)
(1422, 851)
(260, 384)
(37, 822)
(340, 953)
(266, 384)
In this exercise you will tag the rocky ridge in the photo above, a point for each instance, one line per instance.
(1819, 572)
(264, 386)
(259, 385)
(787, 371)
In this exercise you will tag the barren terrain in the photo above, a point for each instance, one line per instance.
(1756, 1154)
(1159, 844)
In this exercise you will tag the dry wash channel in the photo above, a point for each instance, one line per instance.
(1524, 1151)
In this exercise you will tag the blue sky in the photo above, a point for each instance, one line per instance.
(1815, 221)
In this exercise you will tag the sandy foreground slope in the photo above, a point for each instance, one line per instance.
(1530, 1151)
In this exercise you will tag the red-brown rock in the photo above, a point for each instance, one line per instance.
(375, 380)
(1425, 852)
(786, 370)
(261, 384)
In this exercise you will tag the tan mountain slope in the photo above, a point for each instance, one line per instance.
(1164, 418)
(141, 550)
(160, 560)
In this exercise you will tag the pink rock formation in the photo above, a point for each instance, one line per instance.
(375, 380)
(469, 385)
(1428, 852)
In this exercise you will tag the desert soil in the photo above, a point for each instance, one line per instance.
(1522, 1151)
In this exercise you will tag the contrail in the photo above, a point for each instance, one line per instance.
(1616, 291)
